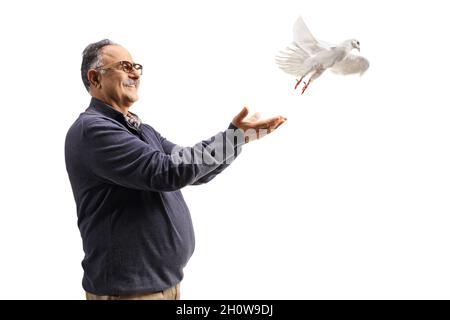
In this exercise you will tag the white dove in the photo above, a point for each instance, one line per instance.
(307, 55)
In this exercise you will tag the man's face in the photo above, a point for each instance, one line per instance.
(116, 86)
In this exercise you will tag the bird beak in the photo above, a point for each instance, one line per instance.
(359, 49)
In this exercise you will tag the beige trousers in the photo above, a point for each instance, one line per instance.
(168, 294)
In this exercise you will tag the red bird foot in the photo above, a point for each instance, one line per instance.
(305, 87)
(298, 83)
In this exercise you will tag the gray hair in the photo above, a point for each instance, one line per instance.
(92, 58)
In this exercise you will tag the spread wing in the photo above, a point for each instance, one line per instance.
(351, 64)
(304, 38)
(292, 60)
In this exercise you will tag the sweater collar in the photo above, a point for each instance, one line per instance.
(132, 120)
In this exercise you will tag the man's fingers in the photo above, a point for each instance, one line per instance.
(280, 123)
(271, 123)
(255, 117)
(275, 121)
(259, 129)
(241, 115)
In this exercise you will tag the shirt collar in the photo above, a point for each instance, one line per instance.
(131, 120)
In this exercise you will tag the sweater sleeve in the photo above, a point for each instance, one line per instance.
(168, 147)
(117, 156)
(237, 150)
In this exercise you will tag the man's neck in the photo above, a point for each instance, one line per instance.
(113, 104)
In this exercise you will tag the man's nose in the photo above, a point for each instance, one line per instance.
(135, 74)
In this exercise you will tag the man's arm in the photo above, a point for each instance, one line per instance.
(117, 156)
(168, 146)
(251, 127)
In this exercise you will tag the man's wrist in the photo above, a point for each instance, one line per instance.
(232, 126)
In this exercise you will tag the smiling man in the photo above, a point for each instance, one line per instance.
(126, 179)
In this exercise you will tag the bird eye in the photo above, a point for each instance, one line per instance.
(357, 42)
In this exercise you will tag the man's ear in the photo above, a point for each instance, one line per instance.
(93, 77)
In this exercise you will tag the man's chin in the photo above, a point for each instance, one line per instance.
(132, 98)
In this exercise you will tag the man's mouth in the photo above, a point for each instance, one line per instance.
(130, 84)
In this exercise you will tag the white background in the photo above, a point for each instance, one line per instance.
(349, 199)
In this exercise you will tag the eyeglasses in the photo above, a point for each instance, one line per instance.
(126, 66)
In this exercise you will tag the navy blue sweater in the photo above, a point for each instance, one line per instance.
(136, 228)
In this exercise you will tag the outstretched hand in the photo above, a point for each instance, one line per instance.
(253, 127)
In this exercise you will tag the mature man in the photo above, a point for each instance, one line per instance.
(126, 179)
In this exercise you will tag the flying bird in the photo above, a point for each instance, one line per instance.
(308, 56)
